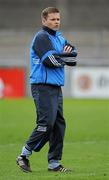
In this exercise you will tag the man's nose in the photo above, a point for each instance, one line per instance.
(57, 21)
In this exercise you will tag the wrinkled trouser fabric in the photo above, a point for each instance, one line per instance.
(50, 121)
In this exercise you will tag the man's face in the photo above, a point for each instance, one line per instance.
(52, 21)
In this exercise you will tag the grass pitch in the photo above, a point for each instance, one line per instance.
(86, 146)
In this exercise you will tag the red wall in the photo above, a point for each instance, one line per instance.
(14, 81)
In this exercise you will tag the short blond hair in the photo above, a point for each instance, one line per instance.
(49, 10)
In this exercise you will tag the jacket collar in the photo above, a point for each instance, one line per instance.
(50, 31)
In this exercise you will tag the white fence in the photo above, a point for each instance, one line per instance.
(90, 82)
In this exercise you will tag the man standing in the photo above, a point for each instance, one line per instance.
(47, 63)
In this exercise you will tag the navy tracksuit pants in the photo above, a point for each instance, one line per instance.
(50, 121)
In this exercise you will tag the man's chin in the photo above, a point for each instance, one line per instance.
(56, 28)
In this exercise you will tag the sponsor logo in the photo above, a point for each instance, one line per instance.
(84, 82)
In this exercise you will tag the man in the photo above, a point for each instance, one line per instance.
(47, 61)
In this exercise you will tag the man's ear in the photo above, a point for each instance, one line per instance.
(43, 21)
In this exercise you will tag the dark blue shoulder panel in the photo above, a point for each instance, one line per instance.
(42, 44)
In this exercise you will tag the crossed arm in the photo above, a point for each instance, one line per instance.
(46, 52)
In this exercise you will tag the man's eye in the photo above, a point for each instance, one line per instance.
(55, 19)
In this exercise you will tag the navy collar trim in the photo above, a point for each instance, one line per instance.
(50, 31)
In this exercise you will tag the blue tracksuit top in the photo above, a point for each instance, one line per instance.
(46, 43)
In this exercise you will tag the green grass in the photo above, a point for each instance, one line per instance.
(86, 147)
